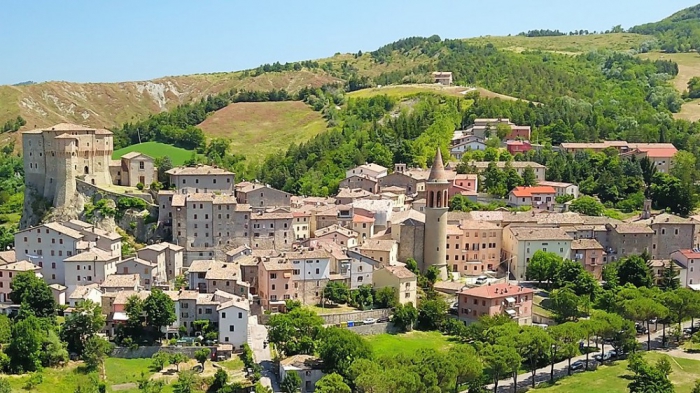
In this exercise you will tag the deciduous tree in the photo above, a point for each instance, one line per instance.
(331, 383)
(81, 325)
(159, 309)
(295, 332)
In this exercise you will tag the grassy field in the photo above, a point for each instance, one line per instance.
(688, 67)
(394, 344)
(401, 91)
(257, 129)
(156, 150)
(615, 378)
(565, 44)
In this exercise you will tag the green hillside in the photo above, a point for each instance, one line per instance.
(177, 155)
(679, 32)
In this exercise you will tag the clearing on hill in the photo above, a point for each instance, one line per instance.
(257, 129)
(403, 91)
(573, 44)
(688, 67)
(177, 155)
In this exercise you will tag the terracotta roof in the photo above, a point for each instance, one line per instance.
(93, 254)
(178, 200)
(522, 191)
(120, 281)
(478, 224)
(353, 193)
(188, 295)
(539, 233)
(316, 253)
(200, 265)
(437, 170)
(335, 228)
(631, 228)
(361, 218)
(277, 263)
(81, 291)
(492, 291)
(665, 218)
(690, 254)
(237, 302)
(123, 296)
(20, 266)
(400, 271)
(453, 230)
(70, 232)
(271, 216)
(378, 245)
(222, 271)
(660, 153)
(586, 244)
(136, 261)
(410, 214)
(198, 170)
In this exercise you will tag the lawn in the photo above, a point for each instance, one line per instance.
(177, 155)
(614, 378)
(258, 129)
(401, 91)
(394, 344)
(121, 371)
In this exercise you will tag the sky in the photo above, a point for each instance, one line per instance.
(127, 40)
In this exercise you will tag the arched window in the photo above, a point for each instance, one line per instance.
(430, 198)
(87, 170)
(439, 199)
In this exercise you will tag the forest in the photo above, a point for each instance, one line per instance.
(679, 32)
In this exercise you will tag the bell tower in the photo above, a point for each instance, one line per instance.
(435, 240)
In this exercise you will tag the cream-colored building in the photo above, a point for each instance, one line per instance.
(168, 257)
(261, 196)
(49, 245)
(338, 235)
(363, 225)
(400, 278)
(133, 168)
(383, 251)
(201, 179)
(521, 243)
(474, 247)
(301, 224)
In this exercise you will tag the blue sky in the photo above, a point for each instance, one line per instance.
(101, 41)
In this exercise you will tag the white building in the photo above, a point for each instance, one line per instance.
(521, 243)
(561, 188)
(233, 322)
(371, 170)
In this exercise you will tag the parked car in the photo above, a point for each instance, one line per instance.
(481, 280)
(383, 319)
(641, 329)
(454, 308)
(606, 356)
(578, 365)
(370, 321)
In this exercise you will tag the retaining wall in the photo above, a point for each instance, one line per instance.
(148, 352)
(357, 316)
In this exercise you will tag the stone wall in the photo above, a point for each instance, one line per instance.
(356, 316)
(376, 328)
(89, 190)
(149, 351)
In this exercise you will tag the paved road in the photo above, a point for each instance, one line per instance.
(560, 369)
(261, 354)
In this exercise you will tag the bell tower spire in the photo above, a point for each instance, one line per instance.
(437, 202)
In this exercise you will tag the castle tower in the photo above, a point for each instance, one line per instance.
(66, 161)
(435, 237)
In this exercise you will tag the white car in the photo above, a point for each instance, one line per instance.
(481, 280)
(370, 321)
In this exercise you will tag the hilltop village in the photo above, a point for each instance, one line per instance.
(232, 253)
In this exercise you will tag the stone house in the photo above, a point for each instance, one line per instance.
(339, 235)
(309, 369)
(261, 196)
(362, 182)
(201, 178)
(132, 169)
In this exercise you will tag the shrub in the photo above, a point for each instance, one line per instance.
(140, 186)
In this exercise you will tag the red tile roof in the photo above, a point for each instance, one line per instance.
(361, 218)
(522, 191)
(659, 153)
(690, 254)
(496, 290)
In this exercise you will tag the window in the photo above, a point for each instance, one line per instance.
(240, 315)
(230, 328)
(141, 165)
(317, 271)
(207, 311)
(273, 287)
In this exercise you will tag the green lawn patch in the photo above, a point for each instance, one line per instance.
(614, 378)
(54, 380)
(394, 344)
(233, 364)
(121, 371)
(156, 150)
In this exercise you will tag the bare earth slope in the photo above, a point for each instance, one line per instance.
(111, 104)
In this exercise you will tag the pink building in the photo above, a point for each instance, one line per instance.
(519, 132)
(473, 247)
(275, 282)
(465, 184)
(515, 147)
(495, 299)
(9, 271)
(690, 259)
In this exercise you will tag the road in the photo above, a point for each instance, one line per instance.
(560, 369)
(257, 334)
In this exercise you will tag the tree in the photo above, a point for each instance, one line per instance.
(502, 130)
(543, 266)
(634, 270)
(178, 358)
(534, 345)
(53, 351)
(683, 166)
(220, 380)
(431, 314)
(412, 265)
(24, 349)
(159, 360)
(291, 383)
(565, 304)
(180, 282)
(529, 177)
(405, 316)
(340, 347)
(295, 332)
(159, 309)
(5, 386)
(96, 350)
(362, 297)
(670, 277)
(33, 294)
(331, 383)
(512, 178)
(336, 292)
(386, 297)
(649, 378)
(565, 338)
(502, 361)
(184, 383)
(468, 366)
(164, 165)
(202, 355)
(696, 387)
(587, 205)
(81, 325)
(644, 309)
(5, 329)
(668, 192)
(432, 274)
